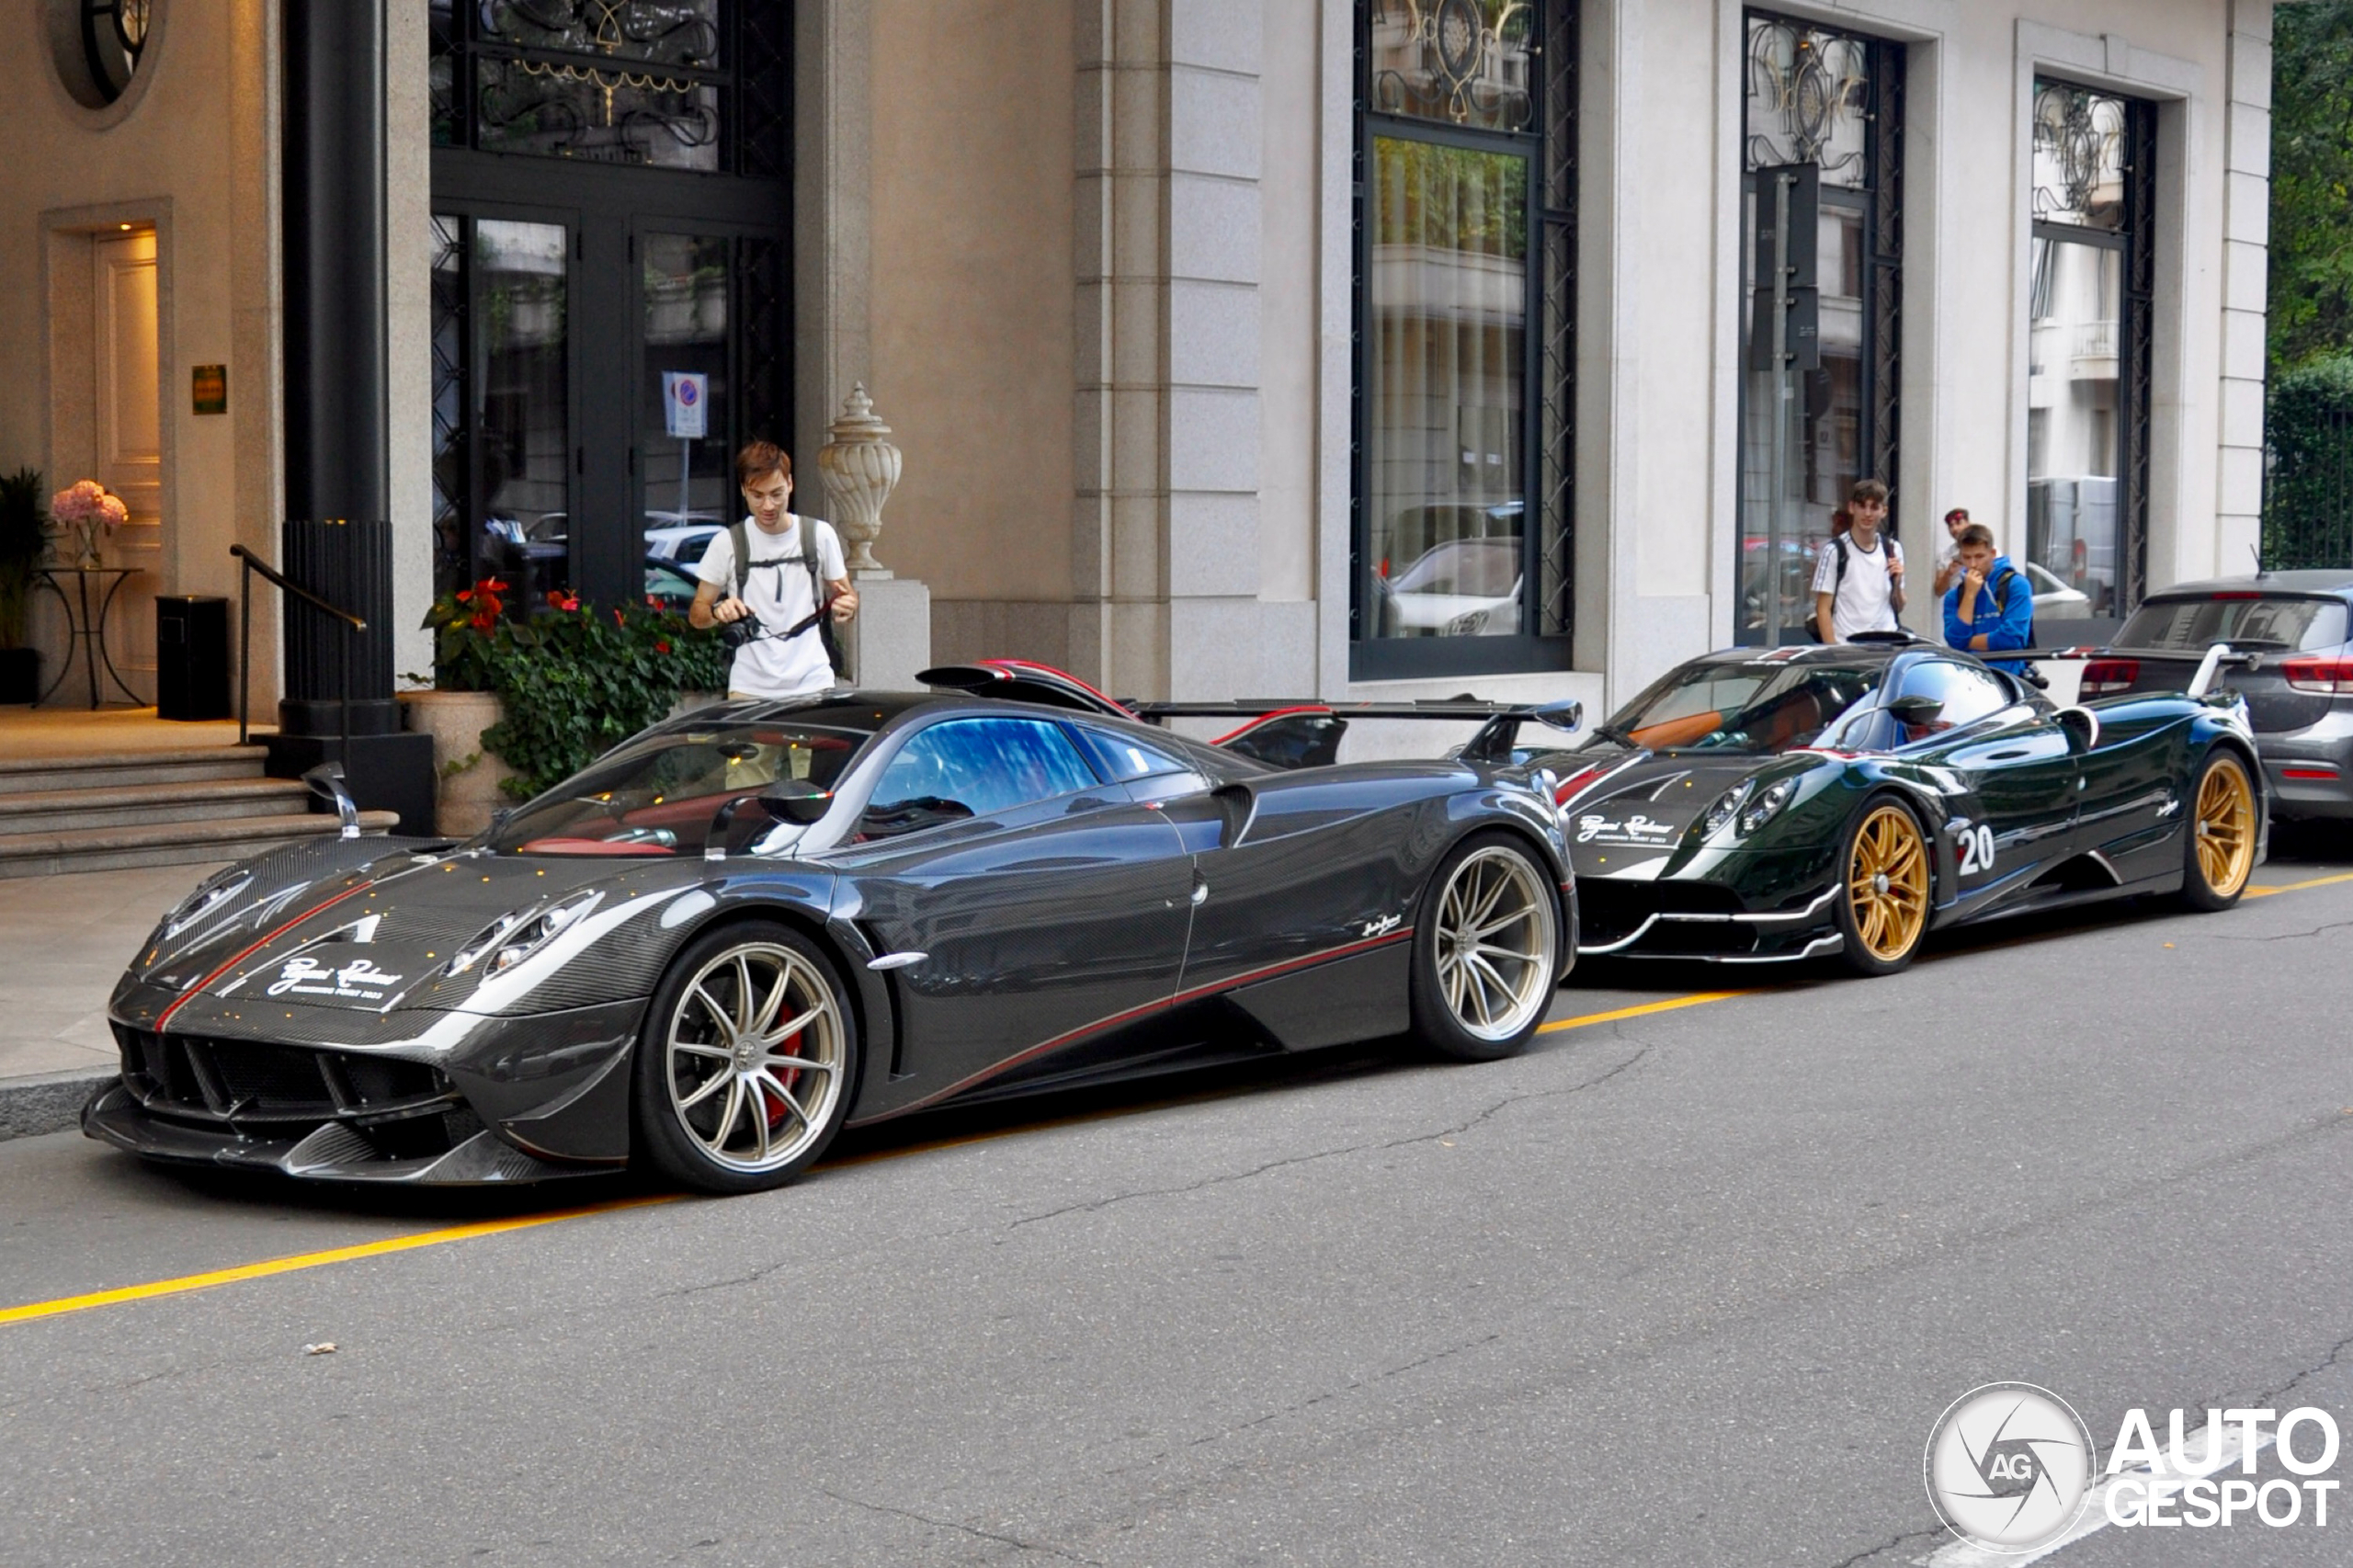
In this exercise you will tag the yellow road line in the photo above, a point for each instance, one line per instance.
(2299, 887)
(1668, 1005)
(33, 1309)
(313, 1260)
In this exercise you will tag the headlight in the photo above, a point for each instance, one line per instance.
(1726, 804)
(1766, 806)
(211, 894)
(509, 939)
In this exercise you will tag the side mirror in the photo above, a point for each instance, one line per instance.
(1917, 712)
(327, 782)
(2082, 726)
(797, 801)
(1562, 716)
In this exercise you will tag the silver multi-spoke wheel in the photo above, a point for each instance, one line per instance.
(755, 1056)
(1495, 943)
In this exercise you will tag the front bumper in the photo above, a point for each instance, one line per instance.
(521, 1099)
(1702, 923)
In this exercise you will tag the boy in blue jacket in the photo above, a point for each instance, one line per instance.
(1992, 606)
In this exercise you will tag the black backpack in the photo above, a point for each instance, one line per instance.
(739, 533)
(2001, 586)
(1887, 542)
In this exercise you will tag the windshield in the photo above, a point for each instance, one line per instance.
(1759, 705)
(658, 796)
(2257, 621)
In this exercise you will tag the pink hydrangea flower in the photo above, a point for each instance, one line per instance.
(86, 501)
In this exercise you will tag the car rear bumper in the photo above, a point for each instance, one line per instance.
(2309, 772)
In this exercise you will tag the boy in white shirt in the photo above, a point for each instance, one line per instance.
(1858, 581)
(778, 587)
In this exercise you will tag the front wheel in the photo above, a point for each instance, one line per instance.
(2219, 854)
(1486, 950)
(1883, 908)
(744, 1068)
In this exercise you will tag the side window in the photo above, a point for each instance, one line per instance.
(975, 768)
(1123, 758)
(1967, 693)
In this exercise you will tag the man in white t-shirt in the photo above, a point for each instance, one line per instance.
(779, 591)
(1858, 581)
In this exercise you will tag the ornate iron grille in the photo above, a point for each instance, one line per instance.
(677, 83)
(1886, 454)
(1556, 586)
(2140, 317)
(1809, 99)
(2080, 156)
(1460, 62)
(453, 471)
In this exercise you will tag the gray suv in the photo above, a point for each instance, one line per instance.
(2300, 694)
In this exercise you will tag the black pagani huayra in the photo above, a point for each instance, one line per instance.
(759, 923)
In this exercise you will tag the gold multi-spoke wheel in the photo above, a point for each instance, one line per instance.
(2222, 832)
(1885, 912)
(746, 1059)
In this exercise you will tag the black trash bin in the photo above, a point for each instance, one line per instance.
(192, 656)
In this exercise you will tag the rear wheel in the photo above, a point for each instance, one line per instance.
(744, 1068)
(1486, 950)
(2219, 854)
(1883, 908)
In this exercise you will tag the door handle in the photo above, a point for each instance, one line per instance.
(2009, 756)
(1201, 891)
(896, 960)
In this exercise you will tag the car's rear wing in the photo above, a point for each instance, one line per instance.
(2218, 657)
(1280, 731)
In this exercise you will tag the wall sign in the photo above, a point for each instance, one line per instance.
(208, 389)
(686, 396)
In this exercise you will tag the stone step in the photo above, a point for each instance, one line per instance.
(44, 775)
(167, 844)
(125, 806)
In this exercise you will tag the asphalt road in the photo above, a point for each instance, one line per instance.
(1688, 1286)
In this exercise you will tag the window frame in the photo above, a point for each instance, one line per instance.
(2135, 244)
(1546, 425)
(1879, 204)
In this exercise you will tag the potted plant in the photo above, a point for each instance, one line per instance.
(467, 625)
(23, 539)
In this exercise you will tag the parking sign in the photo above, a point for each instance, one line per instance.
(685, 395)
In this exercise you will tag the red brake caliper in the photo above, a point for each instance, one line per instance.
(777, 1109)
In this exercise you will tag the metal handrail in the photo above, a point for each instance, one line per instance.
(351, 623)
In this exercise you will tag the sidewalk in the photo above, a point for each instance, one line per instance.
(63, 942)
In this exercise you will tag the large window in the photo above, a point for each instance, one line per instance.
(611, 196)
(1821, 288)
(1465, 347)
(2087, 351)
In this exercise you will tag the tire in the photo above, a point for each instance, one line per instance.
(1482, 1000)
(713, 1110)
(1885, 870)
(2218, 843)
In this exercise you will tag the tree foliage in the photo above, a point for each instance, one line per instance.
(2312, 182)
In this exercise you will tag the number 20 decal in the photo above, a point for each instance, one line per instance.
(1976, 850)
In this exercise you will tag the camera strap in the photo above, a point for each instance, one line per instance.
(739, 534)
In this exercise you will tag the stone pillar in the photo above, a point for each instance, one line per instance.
(2246, 222)
(891, 639)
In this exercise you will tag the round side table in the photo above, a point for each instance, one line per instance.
(84, 628)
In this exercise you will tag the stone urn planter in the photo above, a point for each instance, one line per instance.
(468, 792)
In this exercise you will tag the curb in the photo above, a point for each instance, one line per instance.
(46, 1102)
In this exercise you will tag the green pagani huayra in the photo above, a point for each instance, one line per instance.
(1758, 805)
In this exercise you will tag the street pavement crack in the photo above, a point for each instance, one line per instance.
(1012, 1540)
(2275, 936)
(2270, 1397)
(1373, 1146)
(1347, 1388)
(1891, 1544)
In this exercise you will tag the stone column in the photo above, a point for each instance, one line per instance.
(891, 639)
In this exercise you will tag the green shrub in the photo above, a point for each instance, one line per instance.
(574, 682)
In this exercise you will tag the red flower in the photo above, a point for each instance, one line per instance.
(492, 585)
(561, 600)
(617, 617)
(485, 619)
(661, 647)
(464, 594)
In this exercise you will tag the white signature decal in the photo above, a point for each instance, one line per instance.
(1383, 927)
(1637, 829)
(360, 980)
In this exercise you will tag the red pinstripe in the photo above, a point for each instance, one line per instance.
(198, 989)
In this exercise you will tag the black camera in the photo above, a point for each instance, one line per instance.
(736, 633)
